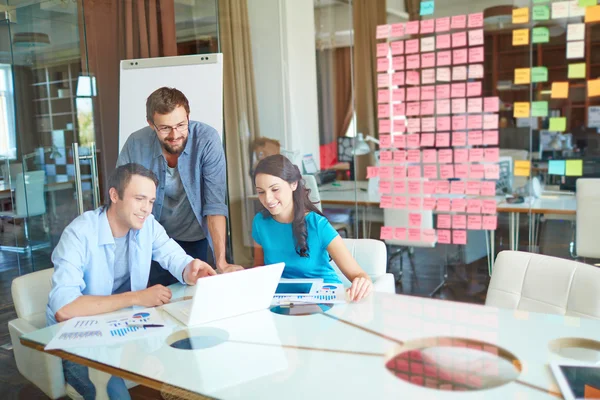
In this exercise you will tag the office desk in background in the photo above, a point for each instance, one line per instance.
(52, 185)
(273, 356)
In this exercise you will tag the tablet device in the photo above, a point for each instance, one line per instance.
(577, 381)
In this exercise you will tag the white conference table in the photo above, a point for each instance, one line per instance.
(343, 353)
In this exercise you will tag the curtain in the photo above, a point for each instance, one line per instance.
(116, 30)
(241, 121)
(343, 90)
(27, 138)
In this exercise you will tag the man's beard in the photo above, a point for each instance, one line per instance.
(175, 151)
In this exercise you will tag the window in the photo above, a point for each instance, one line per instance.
(8, 148)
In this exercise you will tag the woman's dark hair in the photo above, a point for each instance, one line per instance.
(279, 166)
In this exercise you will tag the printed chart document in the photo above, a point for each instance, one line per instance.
(103, 330)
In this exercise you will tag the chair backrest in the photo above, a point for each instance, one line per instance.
(314, 196)
(29, 193)
(30, 292)
(588, 217)
(370, 254)
(538, 283)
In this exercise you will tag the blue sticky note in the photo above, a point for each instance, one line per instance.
(427, 7)
(556, 167)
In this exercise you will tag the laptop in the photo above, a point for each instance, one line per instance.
(227, 295)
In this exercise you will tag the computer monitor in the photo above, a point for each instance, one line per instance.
(591, 169)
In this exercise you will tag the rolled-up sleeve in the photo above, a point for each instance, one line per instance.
(214, 177)
(167, 252)
(67, 281)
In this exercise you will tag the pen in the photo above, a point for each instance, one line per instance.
(148, 326)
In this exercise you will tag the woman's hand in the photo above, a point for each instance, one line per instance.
(361, 287)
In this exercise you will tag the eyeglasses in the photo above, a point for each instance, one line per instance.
(165, 130)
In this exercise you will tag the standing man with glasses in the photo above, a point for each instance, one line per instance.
(188, 158)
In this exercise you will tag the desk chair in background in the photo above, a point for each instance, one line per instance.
(340, 220)
(587, 218)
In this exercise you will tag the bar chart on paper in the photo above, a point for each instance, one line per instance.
(123, 332)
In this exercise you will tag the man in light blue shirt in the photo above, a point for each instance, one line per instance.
(102, 263)
(188, 159)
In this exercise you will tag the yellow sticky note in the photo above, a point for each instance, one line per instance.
(574, 168)
(592, 14)
(558, 124)
(520, 37)
(522, 76)
(520, 15)
(522, 168)
(560, 90)
(521, 110)
(594, 88)
(577, 71)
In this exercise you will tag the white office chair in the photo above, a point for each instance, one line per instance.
(588, 217)
(29, 202)
(339, 221)
(30, 296)
(538, 283)
(371, 255)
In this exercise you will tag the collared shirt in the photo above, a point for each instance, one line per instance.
(85, 255)
(201, 166)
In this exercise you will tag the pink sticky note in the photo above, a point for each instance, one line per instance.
(474, 89)
(414, 235)
(412, 28)
(398, 94)
(490, 138)
(491, 104)
(476, 37)
(460, 56)
(443, 107)
(429, 156)
(458, 90)
(473, 206)
(414, 220)
(490, 121)
(411, 46)
(383, 31)
(442, 187)
(443, 91)
(414, 187)
(428, 235)
(457, 187)
(400, 141)
(459, 237)
(414, 203)
(383, 80)
(492, 154)
(427, 107)
(447, 171)
(474, 222)
(412, 141)
(476, 71)
(400, 234)
(459, 73)
(400, 186)
(382, 49)
(458, 22)
(397, 30)
(474, 121)
(399, 109)
(490, 223)
(397, 47)
(444, 221)
(488, 207)
(430, 171)
(461, 171)
(443, 75)
(427, 26)
(398, 63)
(475, 155)
(442, 24)
(476, 172)
(427, 60)
(413, 78)
(459, 39)
(461, 155)
(385, 202)
(398, 79)
(383, 111)
(383, 64)
(385, 187)
(459, 139)
(488, 188)
(399, 126)
(492, 171)
(413, 156)
(428, 76)
(443, 236)
(399, 156)
(429, 187)
(445, 156)
(475, 138)
(414, 171)
(385, 156)
(443, 42)
(387, 232)
(442, 139)
(428, 203)
(475, 20)
(475, 105)
(413, 61)
(459, 205)
(428, 140)
(427, 92)
(413, 108)
(413, 94)
(385, 141)
(473, 188)
(385, 126)
(459, 123)
(372, 172)
(428, 124)
(459, 106)
(444, 58)
(476, 54)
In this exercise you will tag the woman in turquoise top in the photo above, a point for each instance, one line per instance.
(292, 230)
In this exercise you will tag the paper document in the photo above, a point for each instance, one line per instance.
(107, 330)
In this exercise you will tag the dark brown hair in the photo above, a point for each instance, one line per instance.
(164, 100)
(121, 176)
(279, 166)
